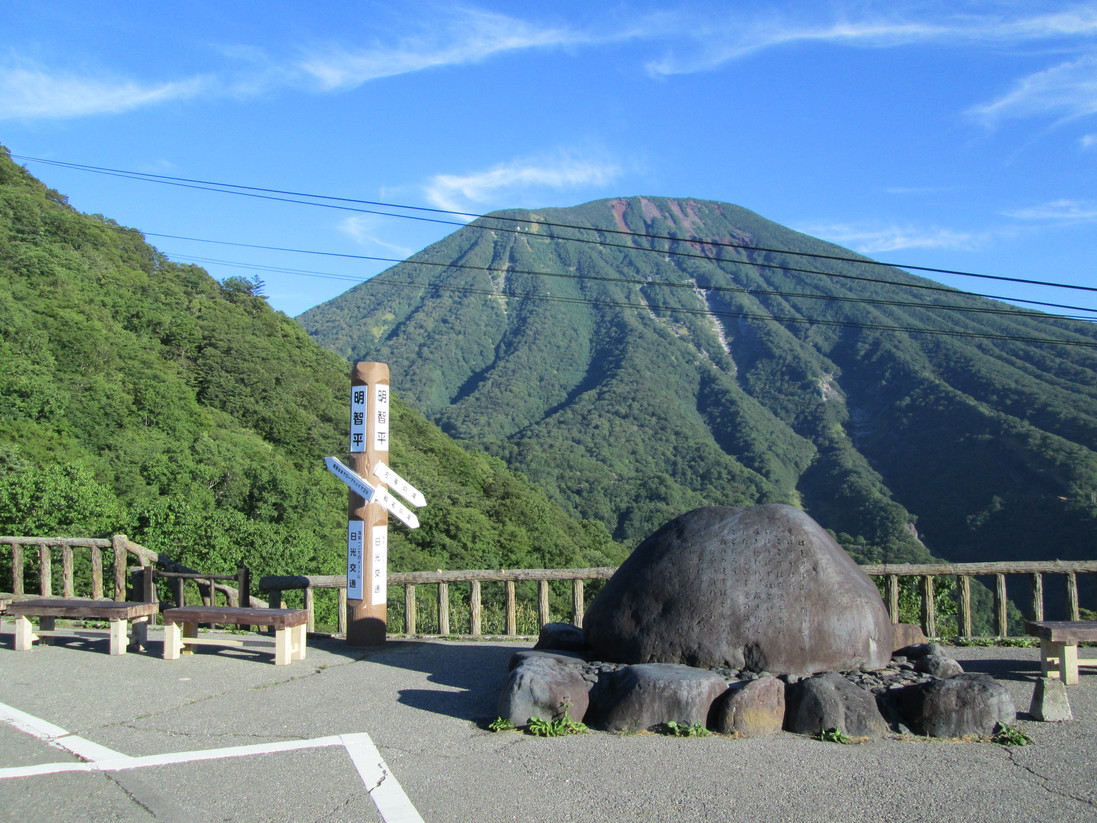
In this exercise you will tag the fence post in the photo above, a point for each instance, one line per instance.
(1072, 596)
(67, 588)
(1001, 605)
(118, 543)
(16, 568)
(963, 581)
(409, 609)
(893, 597)
(511, 609)
(443, 608)
(475, 608)
(577, 602)
(1037, 596)
(542, 602)
(929, 607)
(45, 572)
(96, 573)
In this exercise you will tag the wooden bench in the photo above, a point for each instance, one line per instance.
(181, 629)
(47, 610)
(1059, 641)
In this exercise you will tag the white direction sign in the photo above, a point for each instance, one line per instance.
(398, 484)
(370, 494)
(353, 480)
(389, 503)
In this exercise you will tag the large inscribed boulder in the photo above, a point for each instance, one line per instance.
(763, 588)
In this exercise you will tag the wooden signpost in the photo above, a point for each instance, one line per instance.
(369, 503)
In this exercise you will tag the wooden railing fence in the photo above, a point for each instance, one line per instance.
(94, 566)
(83, 561)
(890, 576)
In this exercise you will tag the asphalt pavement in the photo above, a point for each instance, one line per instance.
(399, 734)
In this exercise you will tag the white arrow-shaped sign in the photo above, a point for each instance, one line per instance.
(370, 494)
(351, 478)
(398, 510)
(398, 484)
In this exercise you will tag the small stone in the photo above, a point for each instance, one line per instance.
(1049, 701)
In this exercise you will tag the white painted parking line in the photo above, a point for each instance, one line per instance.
(382, 786)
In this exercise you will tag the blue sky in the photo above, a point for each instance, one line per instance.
(959, 135)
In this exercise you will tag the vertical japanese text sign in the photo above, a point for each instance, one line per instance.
(367, 522)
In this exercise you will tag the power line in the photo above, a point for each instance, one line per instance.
(755, 292)
(267, 194)
(428, 286)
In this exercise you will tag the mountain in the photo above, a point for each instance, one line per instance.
(639, 357)
(143, 397)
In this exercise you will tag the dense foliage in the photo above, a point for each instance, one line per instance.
(143, 397)
(634, 384)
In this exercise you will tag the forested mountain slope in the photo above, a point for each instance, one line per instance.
(143, 397)
(636, 377)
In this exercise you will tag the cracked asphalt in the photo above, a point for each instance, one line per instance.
(426, 704)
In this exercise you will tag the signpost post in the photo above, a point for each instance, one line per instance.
(369, 503)
(367, 522)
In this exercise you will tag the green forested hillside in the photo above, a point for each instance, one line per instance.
(143, 397)
(635, 377)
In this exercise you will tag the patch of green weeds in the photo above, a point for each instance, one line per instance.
(501, 724)
(1006, 735)
(832, 736)
(675, 729)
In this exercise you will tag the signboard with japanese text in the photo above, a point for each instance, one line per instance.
(355, 559)
(380, 417)
(379, 548)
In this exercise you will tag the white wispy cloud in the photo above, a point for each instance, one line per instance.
(876, 238)
(1065, 91)
(1064, 210)
(516, 181)
(1088, 141)
(737, 37)
(31, 92)
(362, 229)
(461, 37)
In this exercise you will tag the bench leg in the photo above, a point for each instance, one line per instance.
(140, 633)
(173, 641)
(283, 646)
(46, 624)
(189, 630)
(1068, 663)
(119, 636)
(299, 636)
(24, 634)
(1049, 658)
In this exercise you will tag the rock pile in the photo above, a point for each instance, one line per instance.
(903, 697)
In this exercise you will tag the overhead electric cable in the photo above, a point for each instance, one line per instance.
(612, 279)
(253, 191)
(755, 292)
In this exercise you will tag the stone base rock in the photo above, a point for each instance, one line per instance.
(752, 708)
(648, 695)
(830, 701)
(543, 687)
(561, 637)
(965, 705)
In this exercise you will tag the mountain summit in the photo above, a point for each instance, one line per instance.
(640, 357)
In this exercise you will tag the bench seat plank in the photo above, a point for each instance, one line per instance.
(1059, 641)
(181, 629)
(236, 616)
(120, 615)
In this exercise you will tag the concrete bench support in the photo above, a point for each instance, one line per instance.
(120, 616)
(181, 630)
(1059, 641)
